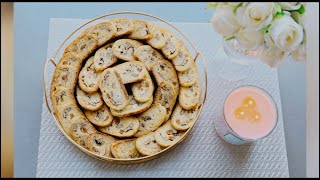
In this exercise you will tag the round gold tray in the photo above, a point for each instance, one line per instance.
(201, 66)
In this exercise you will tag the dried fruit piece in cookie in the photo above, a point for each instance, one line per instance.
(182, 119)
(103, 32)
(125, 149)
(163, 71)
(103, 58)
(80, 130)
(67, 114)
(141, 30)
(61, 96)
(132, 108)
(89, 101)
(88, 77)
(100, 144)
(143, 91)
(188, 77)
(122, 127)
(130, 72)
(83, 46)
(172, 45)
(101, 117)
(147, 144)
(65, 76)
(157, 40)
(189, 97)
(166, 135)
(113, 91)
(183, 60)
(148, 56)
(125, 48)
(166, 96)
(123, 26)
(70, 59)
(151, 119)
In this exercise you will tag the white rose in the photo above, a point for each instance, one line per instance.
(249, 38)
(257, 15)
(290, 5)
(273, 56)
(224, 21)
(299, 54)
(284, 33)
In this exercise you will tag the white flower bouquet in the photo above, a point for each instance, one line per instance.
(276, 29)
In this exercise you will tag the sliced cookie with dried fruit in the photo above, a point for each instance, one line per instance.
(89, 101)
(122, 127)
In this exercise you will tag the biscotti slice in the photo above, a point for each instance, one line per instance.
(123, 26)
(164, 71)
(103, 58)
(151, 119)
(125, 48)
(166, 135)
(125, 149)
(80, 130)
(65, 76)
(172, 45)
(101, 117)
(70, 59)
(183, 61)
(166, 96)
(157, 40)
(182, 119)
(147, 144)
(61, 96)
(89, 101)
(88, 77)
(147, 55)
(141, 30)
(67, 113)
(131, 72)
(113, 91)
(100, 144)
(143, 91)
(188, 77)
(132, 108)
(189, 97)
(83, 46)
(122, 127)
(103, 32)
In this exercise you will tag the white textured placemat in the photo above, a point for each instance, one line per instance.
(202, 154)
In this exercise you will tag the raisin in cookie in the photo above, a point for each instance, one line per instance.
(125, 48)
(147, 144)
(131, 72)
(100, 144)
(166, 96)
(163, 71)
(103, 32)
(143, 91)
(122, 127)
(103, 58)
(83, 46)
(101, 117)
(125, 149)
(189, 97)
(123, 26)
(132, 108)
(88, 77)
(151, 119)
(188, 77)
(141, 30)
(157, 40)
(80, 130)
(89, 101)
(182, 119)
(172, 45)
(166, 135)
(148, 56)
(183, 61)
(113, 91)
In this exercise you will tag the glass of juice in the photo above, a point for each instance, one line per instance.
(249, 114)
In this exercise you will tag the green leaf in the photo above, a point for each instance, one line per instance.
(266, 29)
(229, 38)
(279, 14)
(211, 5)
(235, 8)
(301, 10)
